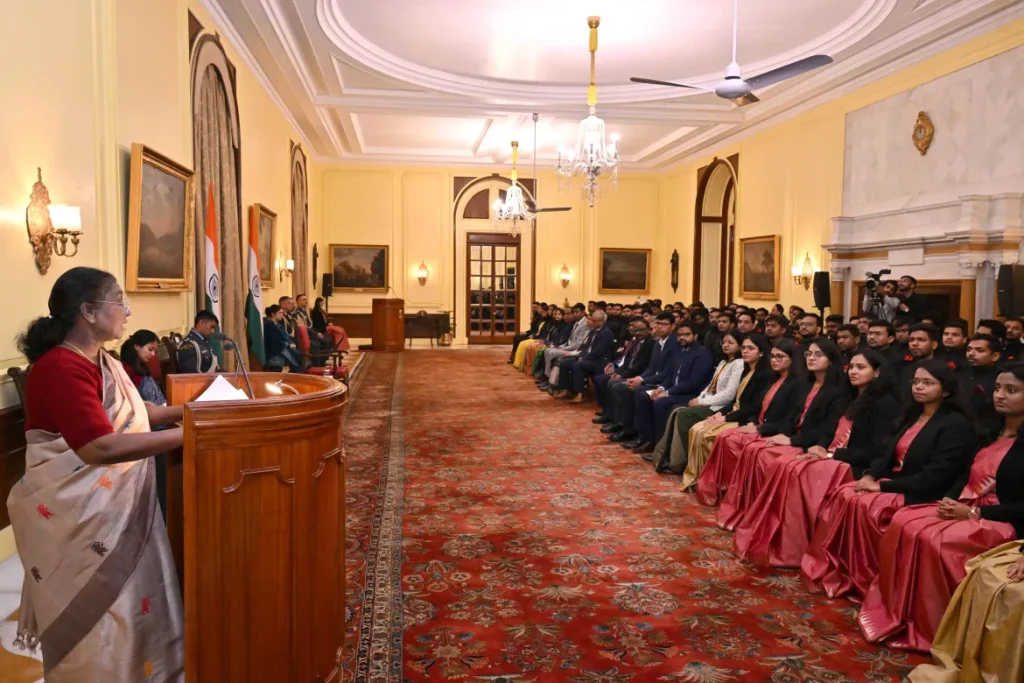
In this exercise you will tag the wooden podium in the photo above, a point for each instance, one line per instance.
(256, 518)
(388, 324)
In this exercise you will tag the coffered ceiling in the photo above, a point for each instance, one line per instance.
(455, 81)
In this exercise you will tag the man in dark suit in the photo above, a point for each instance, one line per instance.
(664, 354)
(633, 361)
(691, 375)
(597, 352)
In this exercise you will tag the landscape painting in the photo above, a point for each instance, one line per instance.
(760, 261)
(360, 268)
(625, 271)
(267, 223)
(160, 223)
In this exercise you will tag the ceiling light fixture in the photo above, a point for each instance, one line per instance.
(592, 156)
(508, 213)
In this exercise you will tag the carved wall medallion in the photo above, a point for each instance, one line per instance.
(924, 131)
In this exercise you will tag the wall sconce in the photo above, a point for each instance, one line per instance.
(422, 273)
(803, 276)
(565, 276)
(50, 226)
(289, 268)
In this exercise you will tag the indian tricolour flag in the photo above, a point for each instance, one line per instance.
(213, 265)
(254, 300)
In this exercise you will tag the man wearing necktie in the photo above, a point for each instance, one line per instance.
(692, 373)
(633, 361)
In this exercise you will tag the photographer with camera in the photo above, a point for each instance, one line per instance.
(880, 300)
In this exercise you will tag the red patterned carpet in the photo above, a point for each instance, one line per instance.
(495, 535)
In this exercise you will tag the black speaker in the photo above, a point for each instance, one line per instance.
(822, 290)
(1010, 288)
(328, 286)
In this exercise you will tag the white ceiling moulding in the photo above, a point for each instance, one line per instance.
(868, 16)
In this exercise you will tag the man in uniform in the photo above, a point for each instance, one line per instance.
(195, 355)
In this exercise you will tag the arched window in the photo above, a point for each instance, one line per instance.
(714, 234)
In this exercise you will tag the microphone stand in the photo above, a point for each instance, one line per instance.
(241, 365)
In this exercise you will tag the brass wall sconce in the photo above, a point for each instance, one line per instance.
(565, 276)
(50, 227)
(422, 273)
(289, 268)
(803, 276)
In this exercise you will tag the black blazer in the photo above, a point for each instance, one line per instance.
(935, 460)
(750, 399)
(319, 318)
(601, 348)
(784, 410)
(819, 424)
(663, 361)
(640, 360)
(1009, 489)
(872, 429)
(559, 333)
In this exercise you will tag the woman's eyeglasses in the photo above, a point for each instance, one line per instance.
(125, 304)
(813, 354)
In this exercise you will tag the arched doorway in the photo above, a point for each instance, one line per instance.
(714, 235)
(493, 269)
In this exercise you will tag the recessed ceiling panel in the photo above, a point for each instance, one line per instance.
(392, 131)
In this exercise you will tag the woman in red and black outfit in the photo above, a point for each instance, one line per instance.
(931, 449)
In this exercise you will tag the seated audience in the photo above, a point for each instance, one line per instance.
(195, 355)
(719, 393)
(981, 636)
(922, 344)
(596, 353)
(651, 410)
(776, 327)
(745, 322)
(280, 348)
(779, 525)
(978, 376)
(822, 400)
(297, 315)
(925, 548)
(808, 328)
(535, 308)
(929, 450)
(664, 358)
(334, 333)
(795, 313)
(557, 332)
(1013, 346)
(778, 309)
(848, 341)
(832, 325)
(954, 343)
(993, 327)
(712, 453)
(318, 316)
(699, 319)
(553, 353)
(631, 363)
(725, 322)
(537, 337)
(136, 353)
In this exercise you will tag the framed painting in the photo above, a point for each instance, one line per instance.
(266, 229)
(161, 223)
(625, 271)
(359, 267)
(759, 267)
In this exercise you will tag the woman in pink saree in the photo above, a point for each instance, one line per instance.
(930, 450)
(925, 550)
(777, 412)
(100, 597)
(822, 401)
(781, 520)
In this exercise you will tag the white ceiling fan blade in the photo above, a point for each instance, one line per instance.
(791, 70)
(652, 81)
(550, 209)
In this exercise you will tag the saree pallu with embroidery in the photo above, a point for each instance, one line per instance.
(923, 559)
(100, 597)
(981, 637)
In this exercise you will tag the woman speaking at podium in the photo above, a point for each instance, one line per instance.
(101, 596)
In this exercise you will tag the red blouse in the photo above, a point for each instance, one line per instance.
(64, 395)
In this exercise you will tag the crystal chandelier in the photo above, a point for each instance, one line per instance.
(508, 213)
(592, 156)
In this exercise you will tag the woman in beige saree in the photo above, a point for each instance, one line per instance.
(100, 597)
(981, 637)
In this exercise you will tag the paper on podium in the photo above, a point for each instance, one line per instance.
(221, 390)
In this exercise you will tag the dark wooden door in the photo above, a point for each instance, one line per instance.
(492, 287)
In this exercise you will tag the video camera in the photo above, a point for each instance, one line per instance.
(874, 278)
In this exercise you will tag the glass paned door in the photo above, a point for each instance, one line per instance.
(493, 287)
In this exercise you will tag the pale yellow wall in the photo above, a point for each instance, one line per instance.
(791, 175)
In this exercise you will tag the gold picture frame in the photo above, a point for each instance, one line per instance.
(759, 267)
(161, 223)
(623, 270)
(360, 268)
(266, 238)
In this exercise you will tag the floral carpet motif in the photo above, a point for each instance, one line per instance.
(533, 550)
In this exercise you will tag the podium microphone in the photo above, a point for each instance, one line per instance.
(218, 336)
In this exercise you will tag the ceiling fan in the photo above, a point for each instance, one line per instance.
(740, 91)
(531, 205)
